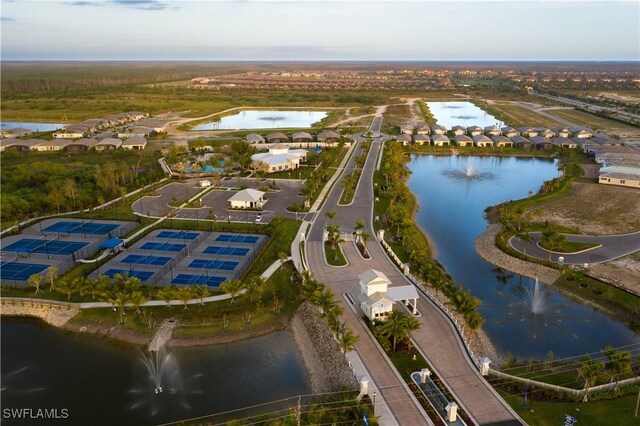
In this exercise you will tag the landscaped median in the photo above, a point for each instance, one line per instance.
(350, 182)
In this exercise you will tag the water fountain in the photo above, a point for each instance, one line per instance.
(468, 173)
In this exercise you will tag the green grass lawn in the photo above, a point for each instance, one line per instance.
(569, 246)
(605, 413)
(333, 258)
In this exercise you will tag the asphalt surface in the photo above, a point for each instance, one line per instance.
(611, 247)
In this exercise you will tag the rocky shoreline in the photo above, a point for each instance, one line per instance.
(51, 313)
(327, 367)
(487, 249)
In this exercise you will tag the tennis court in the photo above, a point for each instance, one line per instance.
(93, 228)
(178, 235)
(28, 245)
(146, 260)
(141, 275)
(19, 271)
(238, 238)
(162, 246)
(188, 279)
(222, 265)
(228, 251)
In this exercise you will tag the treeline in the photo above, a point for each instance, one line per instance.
(42, 183)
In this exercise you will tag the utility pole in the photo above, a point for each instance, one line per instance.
(298, 412)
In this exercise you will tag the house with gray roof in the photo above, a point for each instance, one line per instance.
(482, 141)
(492, 130)
(52, 145)
(421, 139)
(281, 157)
(424, 130)
(509, 131)
(521, 142)
(134, 142)
(16, 132)
(528, 132)
(277, 137)
(564, 142)
(328, 136)
(406, 129)
(81, 145)
(403, 139)
(463, 140)
(438, 129)
(582, 133)
(501, 141)
(459, 130)
(440, 140)
(546, 133)
(254, 139)
(302, 137)
(475, 130)
(108, 144)
(562, 132)
(542, 143)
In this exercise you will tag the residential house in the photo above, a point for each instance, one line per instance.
(440, 140)
(437, 129)
(403, 139)
(492, 130)
(328, 136)
(620, 179)
(302, 137)
(501, 141)
(134, 142)
(475, 130)
(603, 139)
(81, 145)
(562, 132)
(138, 131)
(108, 144)
(406, 129)
(521, 142)
(542, 143)
(7, 143)
(528, 132)
(581, 133)
(254, 139)
(73, 131)
(459, 130)
(20, 145)
(482, 141)
(509, 131)
(564, 142)
(15, 132)
(545, 133)
(247, 199)
(52, 145)
(463, 140)
(424, 130)
(421, 139)
(277, 138)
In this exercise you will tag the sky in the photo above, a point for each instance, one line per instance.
(518, 30)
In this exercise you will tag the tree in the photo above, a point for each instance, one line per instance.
(200, 292)
(334, 239)
(137, 300)
(70, 191)
(347, 340)
(331, 215)
(185, 293)
(590, 371)
(50, 277)
(394, 328)
(34, 281)
(618, 365)
(232, 288)
(552, 240)
(166, 294)
(526, 239)
(66, 288)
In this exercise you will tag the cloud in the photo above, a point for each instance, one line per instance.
(6, 19)
(142, 4)
(85, 3)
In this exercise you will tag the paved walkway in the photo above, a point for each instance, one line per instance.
(437, 338)
(609, 247)
(163, 335)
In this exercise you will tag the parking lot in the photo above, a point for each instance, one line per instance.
(214, 202)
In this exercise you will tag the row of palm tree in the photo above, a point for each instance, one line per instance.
(617, 366)
(324, 298)
(397, 327)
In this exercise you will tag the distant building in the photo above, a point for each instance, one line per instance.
(420, 139)
(403, 139)
(521, 142)
(459, 130)
(493, 130)
(280, 157)
(424, 130)
(134, 142)
(247, 199)
(277, 138)
(81, 145)
(301, 137)
(510, 131)
(501, 141)
(254, 139)
(482, 141)
(328, 136)
(52, 145)
(528, 132)
(438, 129)
(542, 143)
(463, 140)
(406, 129)
(108, 144)
(440, 140)
(15, 132)
(475, 130)
(564, 142)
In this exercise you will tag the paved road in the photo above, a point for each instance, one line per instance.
(611, 247)
(436, 338)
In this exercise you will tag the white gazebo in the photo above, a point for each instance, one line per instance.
(247, 199)
(377, 298)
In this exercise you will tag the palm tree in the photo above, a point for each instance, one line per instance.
(65, 287)
(330, 215)
(347, 340)
(411, 324)
(232, 288)
(185, 293)
(527, 239)
(120, 302)
(394, 328)
(590, 371)
(137, 299)
(200, 292)
(166, 294)
(359, 228)
(50, 277)
(335, 240)
(618, 365)
(34, 281)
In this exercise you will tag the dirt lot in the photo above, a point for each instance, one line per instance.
(597, 123)
(593, 208)
(623, 272)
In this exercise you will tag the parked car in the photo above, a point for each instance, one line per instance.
(259, 217)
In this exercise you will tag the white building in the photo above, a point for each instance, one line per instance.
(247, 199)
(280, 157)
(377, 298)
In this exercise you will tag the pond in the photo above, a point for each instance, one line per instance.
(452, 193)
(102, 382)
(449, 114)
(265, 119)
(36, 127)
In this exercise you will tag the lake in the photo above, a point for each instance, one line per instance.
(36, 127)
(102, 382)
(449, 114)
(265, 119)
(451, 212)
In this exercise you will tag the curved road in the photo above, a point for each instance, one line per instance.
(437, 338)
(611, 247)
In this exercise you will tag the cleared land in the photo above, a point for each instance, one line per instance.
(593, 121)
(592, 208)
(516, 115)
(394, 117)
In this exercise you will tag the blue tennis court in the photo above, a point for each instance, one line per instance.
(222, 265)
(141, 275)
(188, 279)
(146, 260)
(162, 246)
(229, 251)
(178, 235)
(238, 238)
(94, 228)
(28, 245)
(19, 271)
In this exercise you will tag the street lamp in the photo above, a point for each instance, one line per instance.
(374, 403)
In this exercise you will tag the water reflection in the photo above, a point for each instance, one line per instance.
(262, 119)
